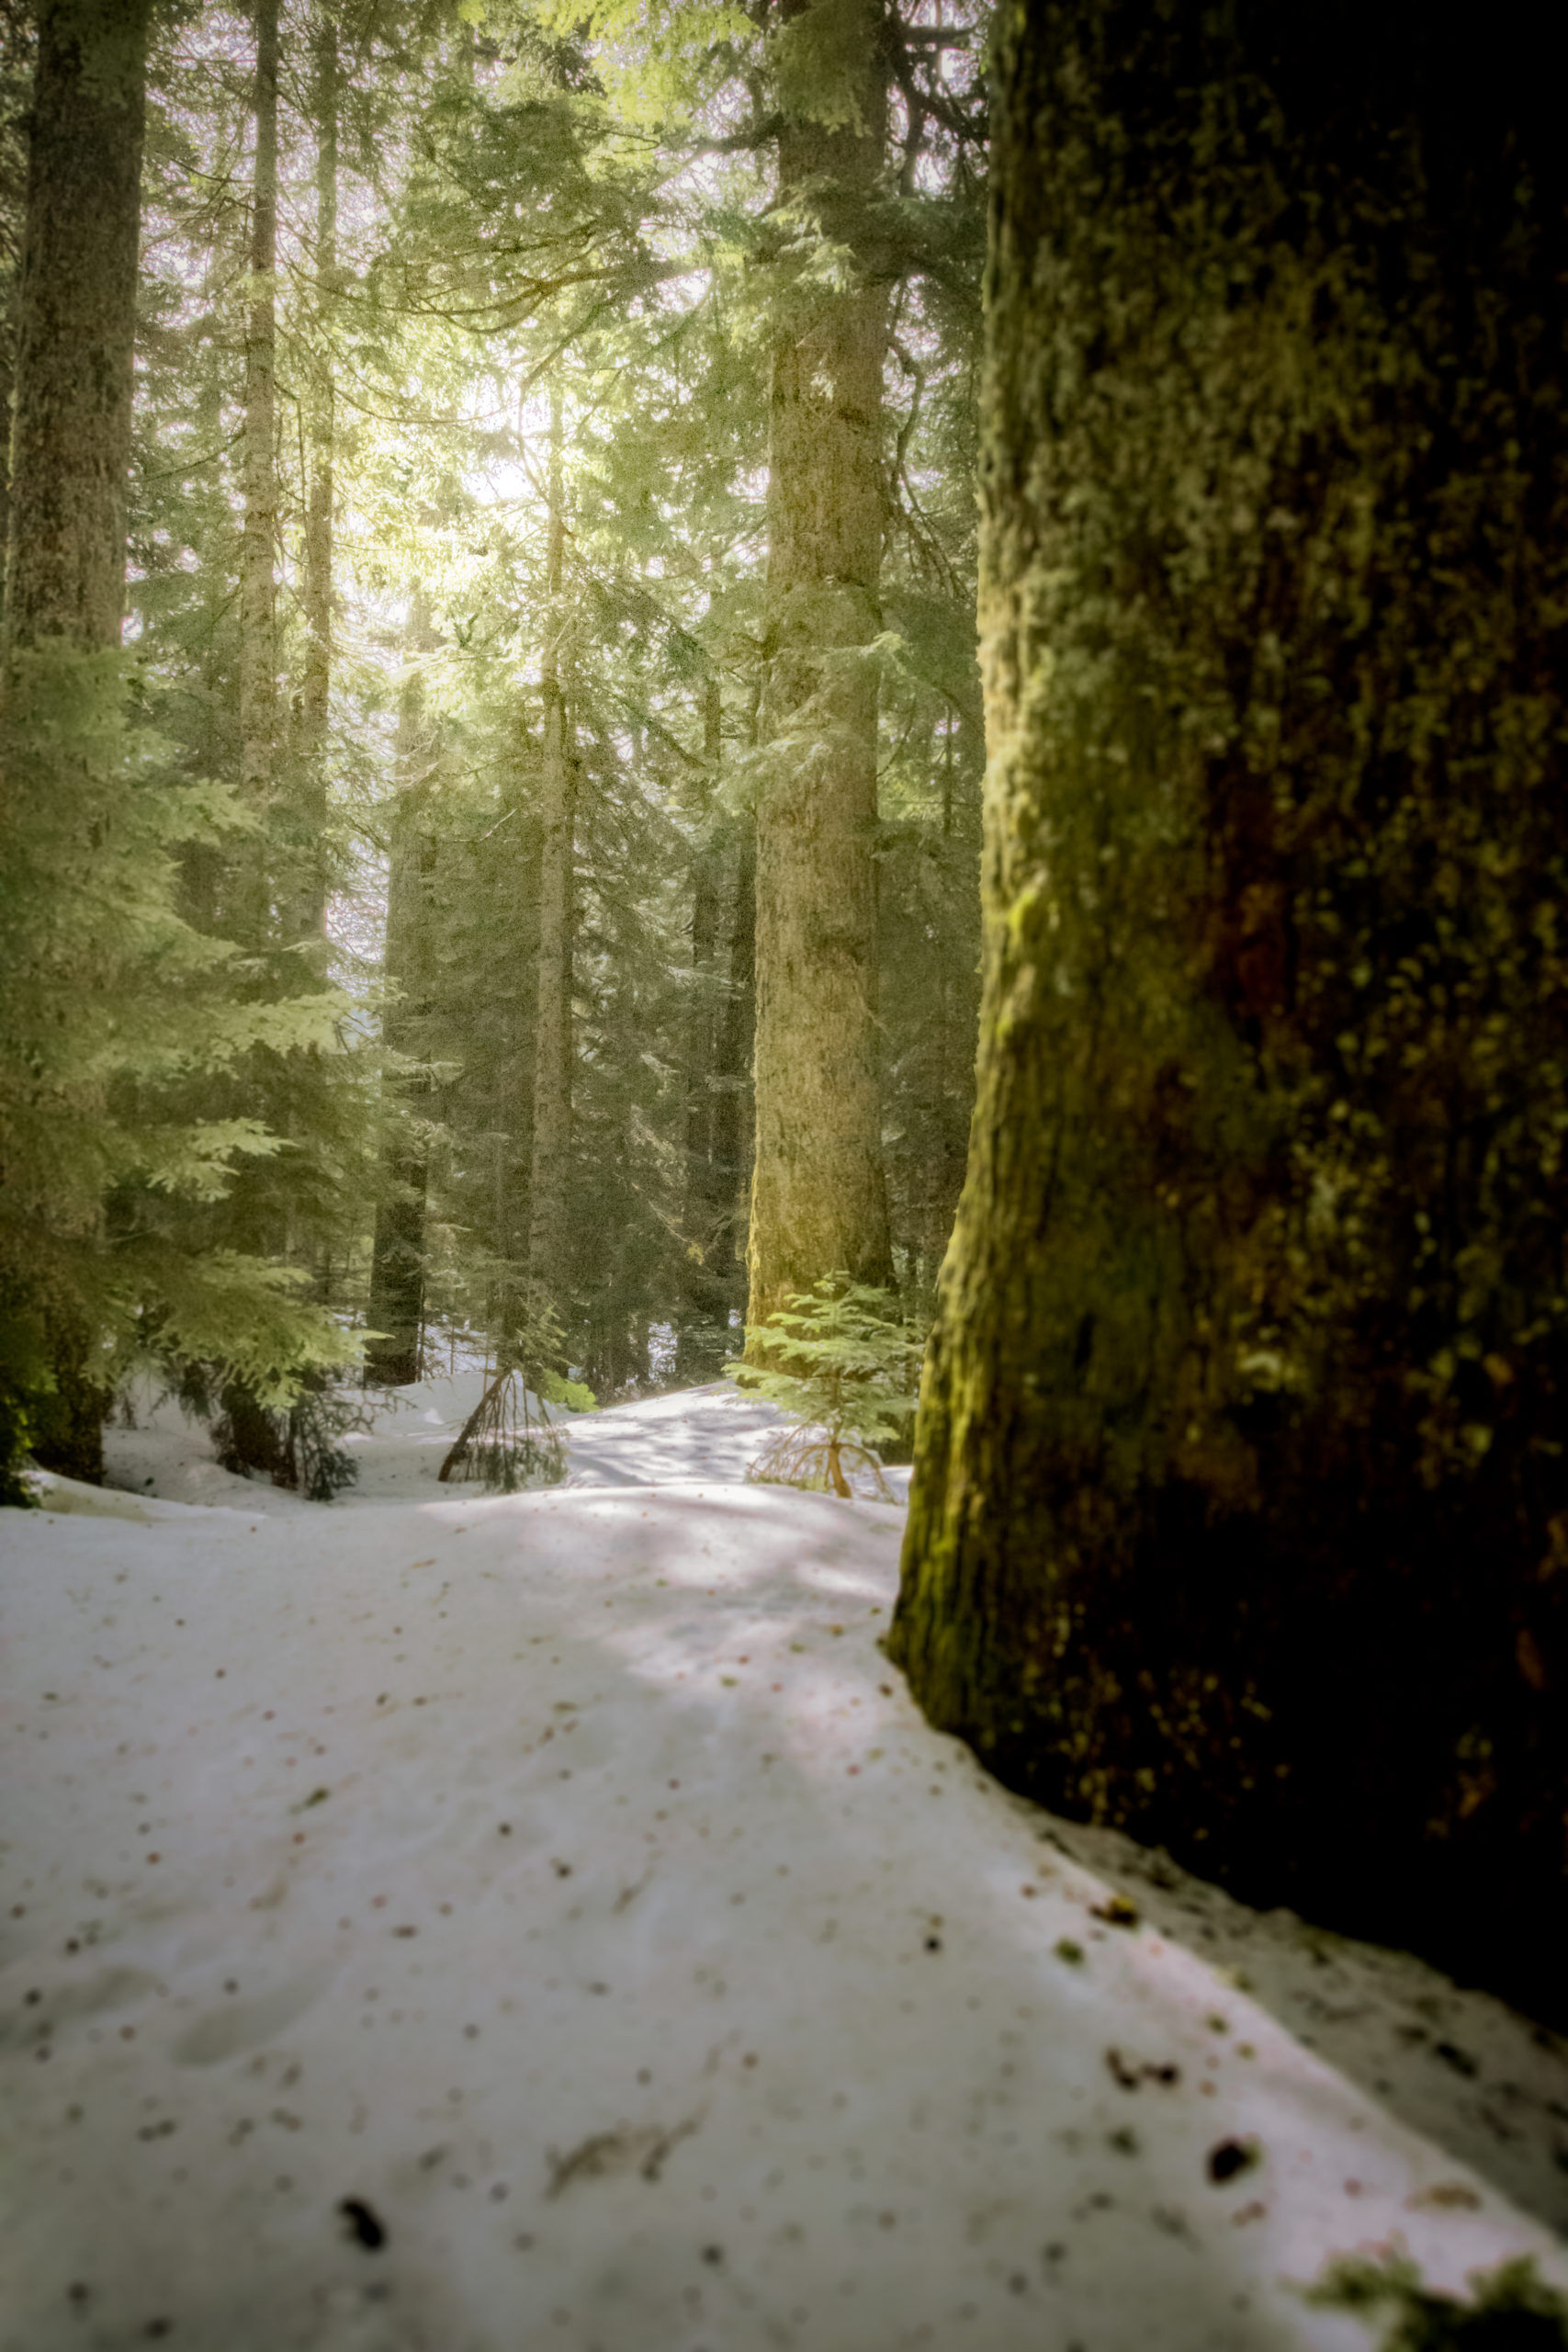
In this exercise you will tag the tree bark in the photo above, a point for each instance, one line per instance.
(732, 1120)
(1240, 1511)
(70, 457)
(258, 628)
(396, 1262)
(76, 325)
(548, 1229)
(819, 1201)
(708, 1213)
(316, 684)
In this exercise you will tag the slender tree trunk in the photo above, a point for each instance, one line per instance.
(204, 866)
(1240, 1513)
(706, 878)
(258, 630)
(819, 1198)
(732, 1120)
(397, 1263)
(316, 687)
(707, 1210)
(69, 455)
(515, 844)
(548, 1229)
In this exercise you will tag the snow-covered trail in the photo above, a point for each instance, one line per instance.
(711, 1433)
(561, 1891)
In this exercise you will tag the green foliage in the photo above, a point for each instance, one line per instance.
(1512, 2310)
(510, 1440)
(294, 1442)
(116, 1016)
(844, 1364)
(521, 201)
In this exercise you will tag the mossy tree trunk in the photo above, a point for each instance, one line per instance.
(1240, 1514)
(396, 1306)
(819, 1199)
(71, 454)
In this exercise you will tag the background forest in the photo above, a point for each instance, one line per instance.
(415, 993)
(494, 900)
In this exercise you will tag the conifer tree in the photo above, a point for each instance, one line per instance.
(819, 1191)
(63, 595)
(557, 797)
(310, 750)
(258, 626)
(396, 1307)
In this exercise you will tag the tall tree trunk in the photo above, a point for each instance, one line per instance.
(819, 1199)
(7, 387)
(71, 453)
(316, 685)
(547, 1229)
(707, 1211)
(76, 324)
(204, 866)
(15, 91)
(396, 1262)
(258, 630)
(732, 1119)
(1240, 1514)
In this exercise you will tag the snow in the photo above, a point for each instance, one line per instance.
(709, 1433)
(566, 1883)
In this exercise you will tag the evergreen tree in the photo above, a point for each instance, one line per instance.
(65, 586)
(396, 1310)
(467, 1020)
(819, 1192)
(115, 1013)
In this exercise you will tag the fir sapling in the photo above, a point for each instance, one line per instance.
(844, 1361)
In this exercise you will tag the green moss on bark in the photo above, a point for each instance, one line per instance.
(1241, 1507)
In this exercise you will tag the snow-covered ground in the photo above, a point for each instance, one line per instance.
(712, 1433)
(452, 1925)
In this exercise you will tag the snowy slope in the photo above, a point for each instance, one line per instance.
(566, 1885)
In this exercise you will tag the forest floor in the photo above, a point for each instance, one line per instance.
(545, 1923)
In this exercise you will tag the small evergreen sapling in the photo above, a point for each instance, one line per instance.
(845, 1361)
(508, 1440)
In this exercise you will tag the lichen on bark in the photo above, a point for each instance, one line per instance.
(1241, 1503)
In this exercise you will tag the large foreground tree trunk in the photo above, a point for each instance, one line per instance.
(819, 1201)
(71, 454)
(1240, 1515)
